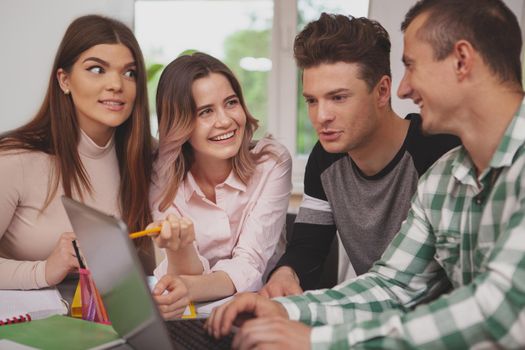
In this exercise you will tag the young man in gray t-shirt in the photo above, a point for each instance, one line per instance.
(362, 173)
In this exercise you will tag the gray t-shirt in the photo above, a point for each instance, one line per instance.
(366, 211)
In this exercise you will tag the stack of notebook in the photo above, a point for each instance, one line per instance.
(25, 305)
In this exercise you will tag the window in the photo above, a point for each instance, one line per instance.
(236, 32)
(255, 39)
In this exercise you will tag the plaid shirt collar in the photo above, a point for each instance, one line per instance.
(512, 140)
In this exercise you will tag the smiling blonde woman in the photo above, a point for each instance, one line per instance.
(220, 197)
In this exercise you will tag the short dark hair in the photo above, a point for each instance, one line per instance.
(489, 25)
(338, 38)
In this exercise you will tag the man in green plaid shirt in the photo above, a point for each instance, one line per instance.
(466, 225)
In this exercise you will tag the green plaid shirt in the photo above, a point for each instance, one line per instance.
(462, 230)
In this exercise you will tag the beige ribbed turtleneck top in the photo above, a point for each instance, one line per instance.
(28, 236)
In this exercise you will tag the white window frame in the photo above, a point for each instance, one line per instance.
(282, 87)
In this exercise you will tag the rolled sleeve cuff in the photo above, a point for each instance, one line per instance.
(244, 277)
(205, 263)
(296, 307)
(161, 269)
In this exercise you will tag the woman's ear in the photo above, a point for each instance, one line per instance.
(63, 80)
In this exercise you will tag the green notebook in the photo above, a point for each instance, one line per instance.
(61, 332)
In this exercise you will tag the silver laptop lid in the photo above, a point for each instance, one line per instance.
(118, 275)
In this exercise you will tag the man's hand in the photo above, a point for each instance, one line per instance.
(272, 333)
(243, 305)
(62, 260)
(283, 282)
(171, 295)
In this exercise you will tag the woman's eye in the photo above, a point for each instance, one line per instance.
(96, 69)
(204, 112)
(232, 102)
(130, 73)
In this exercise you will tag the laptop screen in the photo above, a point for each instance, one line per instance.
(118, 275)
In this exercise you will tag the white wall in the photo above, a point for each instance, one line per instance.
(30, 32)
(390, 14)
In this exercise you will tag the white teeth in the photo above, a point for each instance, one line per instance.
(112, 103)
(224, 136)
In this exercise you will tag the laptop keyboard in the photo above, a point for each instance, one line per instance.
(190, 335)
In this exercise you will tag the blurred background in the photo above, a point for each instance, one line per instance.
(253, 37)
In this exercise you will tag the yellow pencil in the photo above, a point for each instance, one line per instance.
(148, 232)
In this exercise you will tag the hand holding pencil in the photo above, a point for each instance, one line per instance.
(148, 232)
(62, 259)
(172, 233)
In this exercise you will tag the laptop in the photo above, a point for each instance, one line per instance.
(119, 277)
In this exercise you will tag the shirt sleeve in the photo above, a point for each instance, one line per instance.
(383, 308)
(15, 274)
(261, 230)
(313, 230)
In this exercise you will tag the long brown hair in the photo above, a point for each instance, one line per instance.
(176, 111)
(55, 129)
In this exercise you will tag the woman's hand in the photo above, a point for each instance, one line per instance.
(171, 296)
(176, 232)
(62, 260)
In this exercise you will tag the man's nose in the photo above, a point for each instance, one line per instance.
(404, 90)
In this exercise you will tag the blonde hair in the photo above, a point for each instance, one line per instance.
(176, 111)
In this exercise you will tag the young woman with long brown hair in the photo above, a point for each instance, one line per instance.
(90, 140)
(220, 197)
